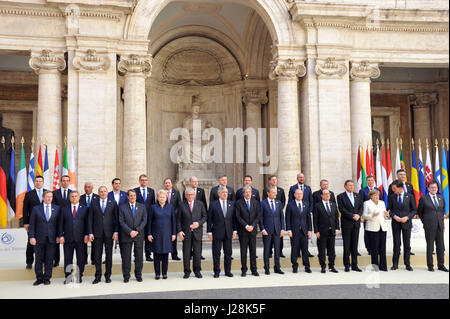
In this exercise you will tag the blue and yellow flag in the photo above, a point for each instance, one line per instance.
(444, 181)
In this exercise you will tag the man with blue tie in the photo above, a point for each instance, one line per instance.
(222, 230)
(132, 220)
(364, 195)
(44, 233)
(271, 223)
(74, 235)
(145, 195)
(299, 229)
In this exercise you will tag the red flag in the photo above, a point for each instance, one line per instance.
(368, 165)
(372, 164)
(56, 172)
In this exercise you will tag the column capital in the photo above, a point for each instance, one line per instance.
(330, 68)
(364, 71)
(423, 99)
(255, 96)
(286, 69)
(135, 65)
(47, 60)
(90, 61)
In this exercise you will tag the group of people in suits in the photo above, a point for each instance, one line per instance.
(143, 221)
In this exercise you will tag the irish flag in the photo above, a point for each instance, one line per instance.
(21, 184)
(72, 173)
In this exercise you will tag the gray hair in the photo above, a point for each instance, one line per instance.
(246, 187)
(189, 189)
(222, 189)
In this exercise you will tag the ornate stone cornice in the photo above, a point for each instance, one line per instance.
(330, 68)
(255, 96)
(364, 70)
(424, 99)
(54, 13)
(91, 62)
(135, 64)
(47, 60)
(286, 69)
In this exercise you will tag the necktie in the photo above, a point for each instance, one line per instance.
(436, 204)
(400, 201)
(144, 194)
(65, 193)
(103, 206)
(168, 196)
(74, 211)
(328, 209)
(272, 206)
(40, 195)
(133, 210)
(352, 199)
(300, 207)
(248, 205)
(191, 206)
(88, 200)
(224, 208)
(47, 212)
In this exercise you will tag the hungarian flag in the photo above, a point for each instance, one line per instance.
(30, 186)
(12, 186)
(421, 173)
(72, 173)
(3, 187)
(358, 170)
(47, 184)
(388, 167)
(65, 170)
(415, 177)
(56, 172)
(444, 181)
(384, 175)
(437, 169)
(39, 166)
(21, 185)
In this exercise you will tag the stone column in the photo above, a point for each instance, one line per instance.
(253, 99)
(136, 69)
(48, 65)
(287, 72)
(360, 111)
(422, 104)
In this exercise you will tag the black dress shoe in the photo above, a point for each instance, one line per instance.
(96, 281)
(202, 258)
(430, 269)
(47, 282)
(126, 280)
(394, 267)
(148, 258)
(216, 275)
(323, 270)
(232, 258)
(443, 268)
(308, 270)
(255, 273)
(198, 275)
(310, 255)
(279, 271)
(29, 266)
(176, 258)
(104, 262)
(409, 268)
(229, 275)
(108, 280)
(139, 279)
(282, 256)
(358, 254)
(157, 277)
(38, 282)
(186, 275)
(412, 254)
(267, 272)
(295, 270)
(243, 274)
(356, 269)
(332, 269)
(164, 276)
(55, 264)
(347, 269)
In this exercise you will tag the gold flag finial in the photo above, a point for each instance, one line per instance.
(436, 142)
(412, 143)
(382, 141)
(377, 143)
(22, 141)
(32, 140)
(13, 140)
(46, 142)
(65, 140)
(387, 141)
(3, 142)
(419, 143)
(426, 142)
(447, 142)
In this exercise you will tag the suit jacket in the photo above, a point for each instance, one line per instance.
(280, 195)
(186, 218)
(347, 210)
(123, 198)
(200, 196)
(221, 227)
(307, 194)
(31, 199)
(149, 200)
(240, 194)
(322, 221)
(271, 222)
(431, 217)
(214, 195)
(408, 209)
(103, 224)
(298, 221)
(175, 200)
(83, 199)
(409, 187)
(74, 229)
(58, 198)
(364, 193)
(245, 217)
(40, 229)
(128, 223)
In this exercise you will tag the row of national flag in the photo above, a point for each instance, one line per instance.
(422, 172)
(13, 187)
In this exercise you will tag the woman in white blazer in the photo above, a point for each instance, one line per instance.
(375, 215)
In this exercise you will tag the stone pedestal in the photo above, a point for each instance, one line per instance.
(422, 104)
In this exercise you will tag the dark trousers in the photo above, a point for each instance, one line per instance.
(57, 254)
(248, 241)
(267, 241)
(326, 242)
(299, 242)
(45, 254)
(98, 245)
(194, 247)
(377, 247)
(158, 260)
(432, 237)
(227, 251)
(281, 247)
(29, 253)
(398, 233)
(137, 246)
(174, 248)
(85, 247)
(366, 238)
(350, 237)
(69, 249)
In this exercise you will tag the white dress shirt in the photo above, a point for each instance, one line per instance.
(117, 197)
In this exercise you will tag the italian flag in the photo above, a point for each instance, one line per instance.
(21, 184)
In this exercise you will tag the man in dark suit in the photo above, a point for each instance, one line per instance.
(145, 195)
(364, 195)
(222, 230)
(132, 221)
(351, 208)
(174, 199)
(326, 227)
(317, 195)
(103, 231)
(299, 228)
(402, 208)
(191, 217)
(74, 234)
(214, 194)
(44, 233)
(86, 200)
(247, 218)
(273, 182)
(248, 182)
(61, 198)
(32, 198)
(431, 212)
(271, 223)
(117, 195)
